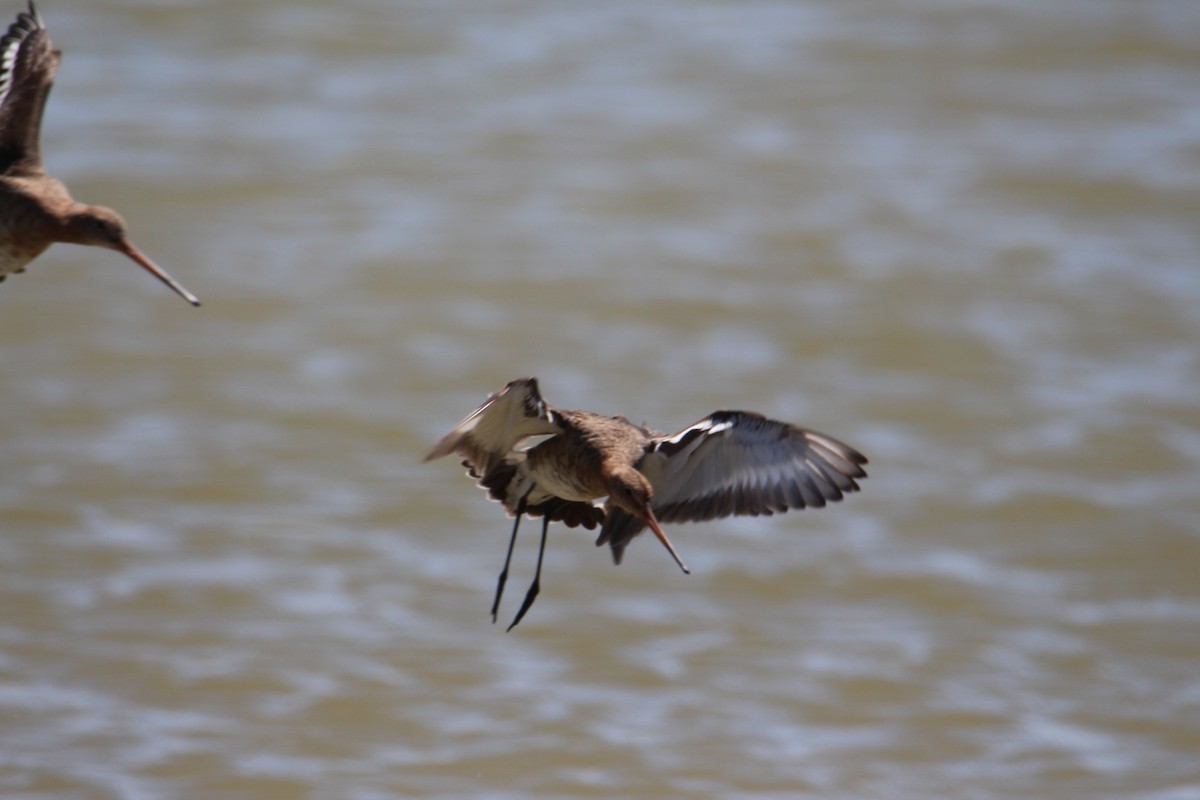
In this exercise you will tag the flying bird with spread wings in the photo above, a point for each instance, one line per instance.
(731, 463)
(36, 210)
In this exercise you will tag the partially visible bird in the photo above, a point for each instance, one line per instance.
(730, 463)
(36, 210)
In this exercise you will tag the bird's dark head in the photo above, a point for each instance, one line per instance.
(98, 226)
(630, 491)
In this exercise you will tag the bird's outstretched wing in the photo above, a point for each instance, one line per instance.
(488, 442)
(494, 430)
(738, 463)
(27, 68)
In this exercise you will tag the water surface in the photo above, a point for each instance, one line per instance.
(961, 237)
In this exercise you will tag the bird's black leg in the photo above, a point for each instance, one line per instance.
(507, 558)
(532, 594)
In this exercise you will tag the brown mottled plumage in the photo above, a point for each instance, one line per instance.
(36, 210)
(729, 463)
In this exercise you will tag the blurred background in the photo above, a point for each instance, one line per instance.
(961, 236)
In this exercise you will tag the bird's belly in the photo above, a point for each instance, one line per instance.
(12, 260)
(565, 486)
(557, 471)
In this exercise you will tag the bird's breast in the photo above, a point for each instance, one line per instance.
(567, 468)
(22, 230)
(13, 259)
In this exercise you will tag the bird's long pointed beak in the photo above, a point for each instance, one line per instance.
(148, 265)
(651, 521)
